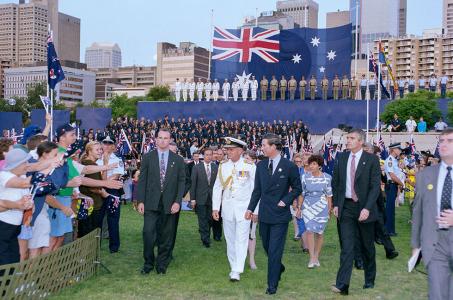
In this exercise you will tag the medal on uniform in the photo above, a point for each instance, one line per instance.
(430, 186)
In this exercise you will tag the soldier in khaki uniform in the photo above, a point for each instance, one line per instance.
(302, 86)
(274, 86)
(313, 84)
(345, 87)
(283, 87)
(264, 84)
(353, 94)
(324, 87)
(292, 84)
(336, 87)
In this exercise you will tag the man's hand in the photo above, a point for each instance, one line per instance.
(141, 208)
(364, 214)
(24, 203)
(75, 182)
(113, 184)
(255, 218)
(193, 203)
(175, 208)
(445, 218)
(48, 118)
(281, 204)
(248, 215)
(215, 215)
(335, 211)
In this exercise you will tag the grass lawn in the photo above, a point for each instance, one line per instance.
(200, 273)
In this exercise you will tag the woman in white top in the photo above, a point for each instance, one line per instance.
(13, 187)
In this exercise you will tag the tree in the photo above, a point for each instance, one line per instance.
(122, 106)
(450, 113)
(416, 105)
(159, 93)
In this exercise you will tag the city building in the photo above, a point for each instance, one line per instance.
(4, 64)
(100, 55)
(377, 19)
(420, 56)
(105, 89)
(447, 16)
(304, 12)
(130, 92)
(271, 20)
(24, 32)
(131, 76)
(77, 87)
(186, 61)
(337, 18)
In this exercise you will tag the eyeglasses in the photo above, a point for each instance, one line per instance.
(298, 161)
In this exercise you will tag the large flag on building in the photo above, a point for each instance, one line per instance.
(55, 73)
(299, 52)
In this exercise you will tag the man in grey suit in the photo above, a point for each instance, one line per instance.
(203, 179)
(159, 194)
(432, 221)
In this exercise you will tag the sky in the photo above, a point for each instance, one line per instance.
(138, 25)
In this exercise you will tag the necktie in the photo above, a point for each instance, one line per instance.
(162, 170)
(271, 167)
(208, 172)
(445, 199)
(352, 176)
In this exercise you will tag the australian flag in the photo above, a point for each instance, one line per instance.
(55, 73)
(373, 67)
(294, 52)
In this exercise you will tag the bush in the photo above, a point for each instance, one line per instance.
(159, 93)
(413, 106)
(450, 113)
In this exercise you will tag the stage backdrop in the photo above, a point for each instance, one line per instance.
(60, 117)
(95, 118)
(10, 120)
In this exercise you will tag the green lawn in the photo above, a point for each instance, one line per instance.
(200, 273)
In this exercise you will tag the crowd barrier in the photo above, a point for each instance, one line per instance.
(10, 120)
(45, 275)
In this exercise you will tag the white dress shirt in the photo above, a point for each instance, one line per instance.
(348, 193)
(440, 183)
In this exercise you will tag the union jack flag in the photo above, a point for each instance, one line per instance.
(228, 44)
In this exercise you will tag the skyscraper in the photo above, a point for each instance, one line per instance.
(103, 56)
(447, 17)
(304, 12)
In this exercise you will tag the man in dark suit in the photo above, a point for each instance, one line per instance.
(356, 186)
(432, 220)
(203, 179)
(159, 194)
(277, 184)
(195, 161)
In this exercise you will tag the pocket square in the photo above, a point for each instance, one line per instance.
(282, 176)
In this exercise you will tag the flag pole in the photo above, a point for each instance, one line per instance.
(51, 98)
(210, 43)
(356, 36)
(256, 17)
(378, 127)
(367, 91)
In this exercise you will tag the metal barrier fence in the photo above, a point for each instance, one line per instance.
(45, 275)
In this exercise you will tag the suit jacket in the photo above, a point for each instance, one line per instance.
(424, 226)
(149, 190)
(367, 183)
(284, 185)
(201, 189)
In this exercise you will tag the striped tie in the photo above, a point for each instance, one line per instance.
(162, 171)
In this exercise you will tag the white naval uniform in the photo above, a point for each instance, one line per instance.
(254, 87)
(192, 86)
(185, 88)
(226, 90)
(200, 86)
(235, 87)
(215, 90)
(234, 196)
(178, 86)
(245, 90)
(207, 90)
(112, 159)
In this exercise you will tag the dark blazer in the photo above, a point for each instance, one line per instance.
(201, 189)
(284, 185)
(367, 183)
(149, 190)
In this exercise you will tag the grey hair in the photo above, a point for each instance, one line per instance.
(368, 145)
(360, 133)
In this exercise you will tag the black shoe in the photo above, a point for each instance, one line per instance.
(206, 244)
(393, 234)
(369, 285)
(113, 251)
(358, 265)
(282, 269)
(392, 255)
(217, 239)
(146, 271)
(161, 271)
(342, 289)
(271, 291)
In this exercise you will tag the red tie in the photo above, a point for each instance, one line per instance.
(352, 175)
